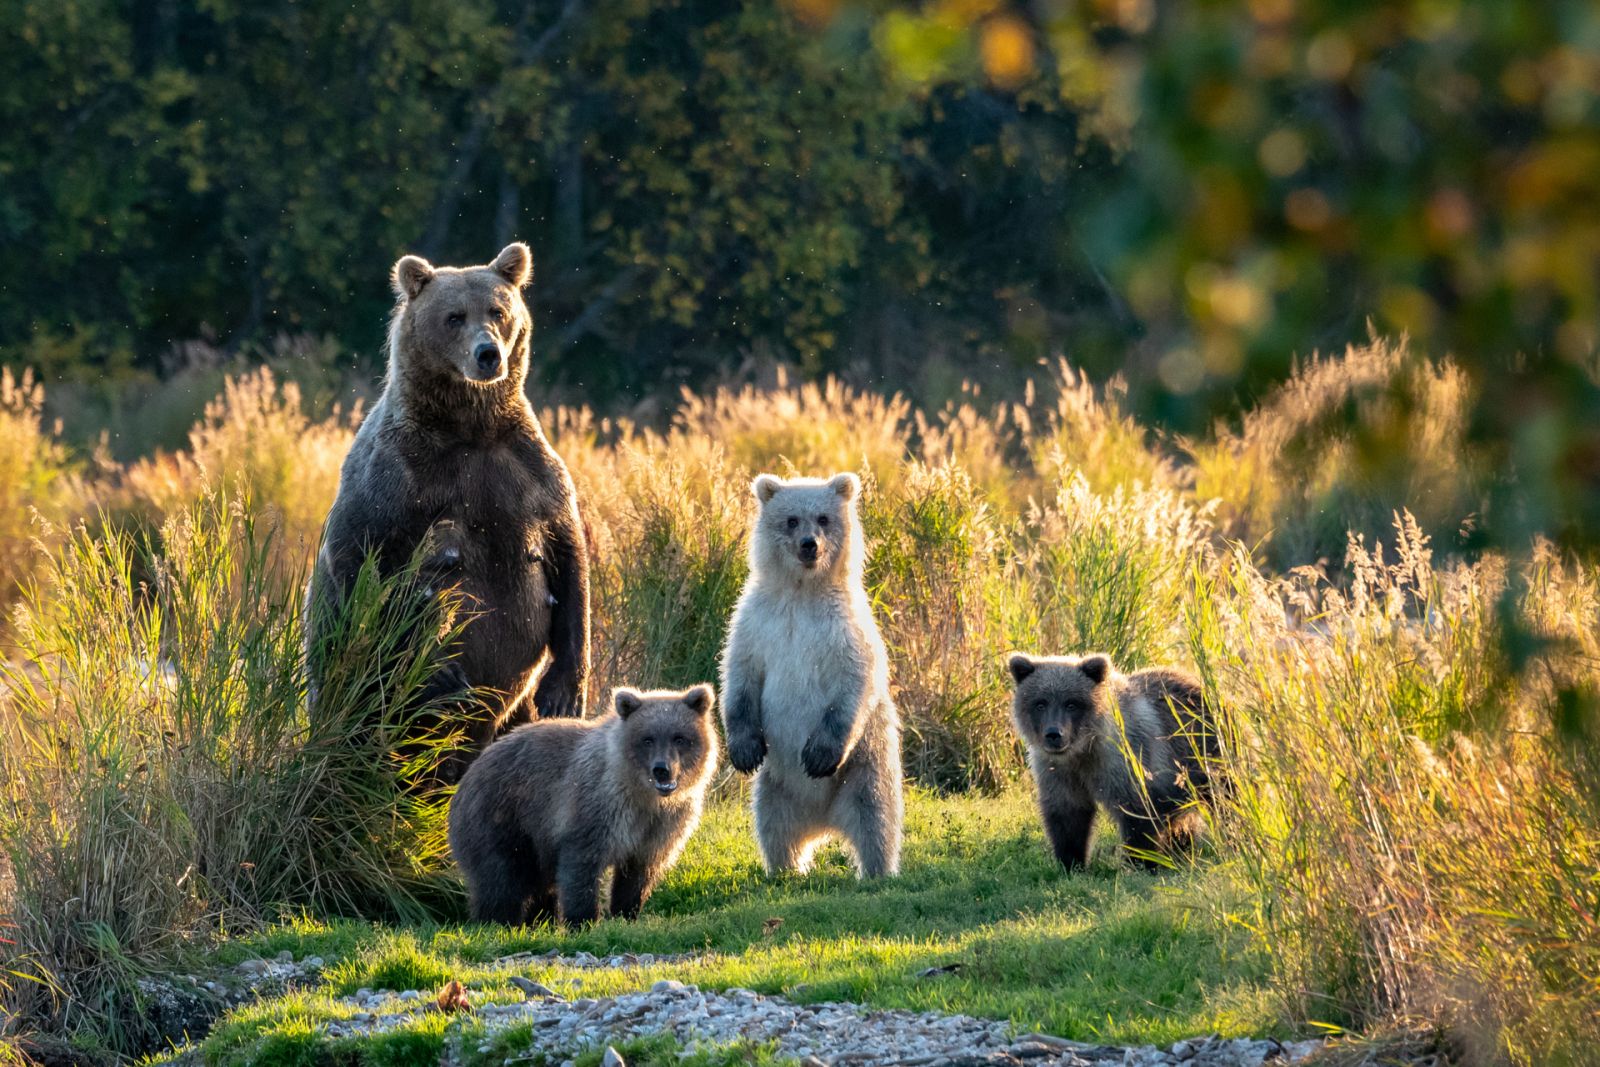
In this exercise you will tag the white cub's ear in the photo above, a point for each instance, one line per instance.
(1020, 666)
(699, 699)
(1096, 667)
(766, 487)
(410, 274)
(627, 701)
(514, 264)
(846, 485)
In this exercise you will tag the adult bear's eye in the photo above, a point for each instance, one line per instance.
(495, 314)
(456, 318)
(1040, 705)
(793, 522)
(822, 520)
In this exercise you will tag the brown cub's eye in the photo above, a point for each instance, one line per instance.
(793, 522)
(680, 740)
(1040, 705)
(822, 520)
(456, 318)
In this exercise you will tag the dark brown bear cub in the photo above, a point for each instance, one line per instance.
(548, 809)
(1066, 710)
(452, 457)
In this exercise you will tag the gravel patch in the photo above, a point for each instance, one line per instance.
(817, 1035)
(589, 961)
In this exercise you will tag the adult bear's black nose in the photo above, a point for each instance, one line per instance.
(1052, 737)
(661, 772)
(487, 354)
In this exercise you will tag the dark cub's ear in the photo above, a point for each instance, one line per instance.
(766, 487)
(627, 701)
(1096, 667)
(699, 699)
(410, 274)
(514, 264)
(1020, 666)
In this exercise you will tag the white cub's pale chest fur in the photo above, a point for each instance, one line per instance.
(815, 650)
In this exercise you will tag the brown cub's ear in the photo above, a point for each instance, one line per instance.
(627, 701)
(1020, 666)
(846, 485)
(766, 487)
(1096, 667)
(410, 274)
(514, 264)
(699, 699)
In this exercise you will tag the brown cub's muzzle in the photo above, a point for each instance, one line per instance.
(663, 778)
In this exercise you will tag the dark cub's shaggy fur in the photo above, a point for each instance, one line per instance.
(548, 809)
(1147, 770)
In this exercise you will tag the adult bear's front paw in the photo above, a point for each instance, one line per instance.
(556, 697)
(822, 756)
(747, 751)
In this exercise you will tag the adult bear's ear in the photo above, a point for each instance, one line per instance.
(846, 485)
(1096, 667)
(699, 699)
(766, 487)
(627, 701)
(514, 264)
(410, 274)
(1020, 666)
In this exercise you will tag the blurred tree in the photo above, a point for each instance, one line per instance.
(1289, 170)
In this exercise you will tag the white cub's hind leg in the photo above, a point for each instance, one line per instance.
(786, 830)
(869, 812)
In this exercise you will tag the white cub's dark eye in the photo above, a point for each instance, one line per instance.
(822, 520)
(456, 318)
(793, 522)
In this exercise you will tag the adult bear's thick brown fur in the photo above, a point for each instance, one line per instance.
(452, 455)
(549, 808)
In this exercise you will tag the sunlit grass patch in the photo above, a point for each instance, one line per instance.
(1110, 954)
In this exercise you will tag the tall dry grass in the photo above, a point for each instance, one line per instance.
(159, 778)
(1423, 832)
(1339, 447)
(39, 487)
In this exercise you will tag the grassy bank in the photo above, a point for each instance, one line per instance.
(1111, 955)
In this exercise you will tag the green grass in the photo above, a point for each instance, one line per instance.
(1109, 954)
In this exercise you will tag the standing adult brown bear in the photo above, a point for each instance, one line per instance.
(453, 455)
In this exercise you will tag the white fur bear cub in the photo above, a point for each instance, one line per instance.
(805, 679)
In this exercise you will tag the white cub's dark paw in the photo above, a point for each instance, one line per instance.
(747, 752)
(821, 756)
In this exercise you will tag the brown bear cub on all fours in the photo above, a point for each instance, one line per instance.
(551, 808)
(1139, 744)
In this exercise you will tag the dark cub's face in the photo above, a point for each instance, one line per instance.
(1057, 699)
(469, 323)
(668, 737)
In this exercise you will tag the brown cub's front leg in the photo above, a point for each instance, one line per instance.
(631, 886)
(1068, 827)
(578, 887)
